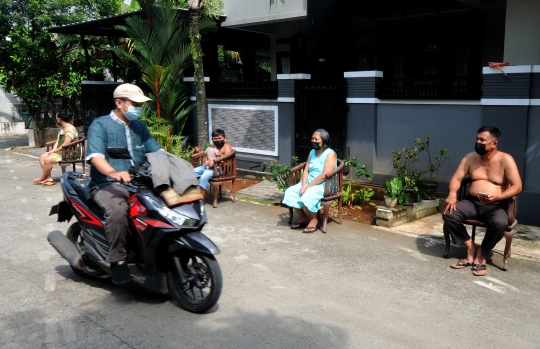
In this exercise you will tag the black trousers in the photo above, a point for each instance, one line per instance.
(112, 198)
(494, 215)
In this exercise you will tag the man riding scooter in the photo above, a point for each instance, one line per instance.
(110, 181)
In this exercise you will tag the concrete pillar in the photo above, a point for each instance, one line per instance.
(286, 86)
(287, 134)
(362, 117)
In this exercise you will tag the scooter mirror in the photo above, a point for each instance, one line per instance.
(118, 153)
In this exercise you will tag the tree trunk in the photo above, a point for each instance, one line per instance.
(200, 91)
(37, 131)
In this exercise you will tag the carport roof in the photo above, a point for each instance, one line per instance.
(106, 26)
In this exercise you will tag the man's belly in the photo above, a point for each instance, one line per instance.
(484, 186)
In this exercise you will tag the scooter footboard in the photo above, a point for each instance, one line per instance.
(196, 241)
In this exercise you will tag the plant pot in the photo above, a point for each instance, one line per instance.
(389, 202)
(412, 196)
(429, 189)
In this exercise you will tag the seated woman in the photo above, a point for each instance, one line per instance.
(309, 192)
(67, 134)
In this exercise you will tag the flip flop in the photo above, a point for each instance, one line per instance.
(299, 225)
(310, 230)
(479, 269)
(48, 183)
(463, 263)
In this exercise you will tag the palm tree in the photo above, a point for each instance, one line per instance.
(162, 53)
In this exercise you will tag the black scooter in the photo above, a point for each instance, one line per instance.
(167, 252)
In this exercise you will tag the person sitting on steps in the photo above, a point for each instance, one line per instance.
(67, 134)
(219, 148)
(309, 192)
(495, 179)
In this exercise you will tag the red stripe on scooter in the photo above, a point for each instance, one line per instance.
(85, 215)
(157, 224)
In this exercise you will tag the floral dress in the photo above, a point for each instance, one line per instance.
(312, 197)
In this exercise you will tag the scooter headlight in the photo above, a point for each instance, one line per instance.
(172, 216)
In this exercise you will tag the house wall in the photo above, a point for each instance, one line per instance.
(249, 126)
(10, 118)
(511, 103)
(259, 11)
(521, 42)
(9, 107)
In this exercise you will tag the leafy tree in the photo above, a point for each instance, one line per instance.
(158, 45)
(36, 64)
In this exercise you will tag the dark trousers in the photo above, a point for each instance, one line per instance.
(112, 198)
(494, 215)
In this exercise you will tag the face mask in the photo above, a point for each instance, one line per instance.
(219, 144)
(316, 145)
(133, 113)
(480, 148)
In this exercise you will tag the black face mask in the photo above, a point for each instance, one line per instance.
(219, 144)
(480, 148)
(316, 145)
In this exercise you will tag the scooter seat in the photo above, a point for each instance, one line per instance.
(81, 185)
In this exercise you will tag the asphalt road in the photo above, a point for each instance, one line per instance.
(355, 287)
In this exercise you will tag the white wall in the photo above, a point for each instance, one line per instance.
(12, 128)
(243, 12)
(9, 107)
(522, 34)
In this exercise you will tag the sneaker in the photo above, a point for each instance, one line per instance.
(120, 273)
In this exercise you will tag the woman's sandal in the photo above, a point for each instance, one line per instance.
(310, 230)
(299, 225)
(463, 263)
(479, 269)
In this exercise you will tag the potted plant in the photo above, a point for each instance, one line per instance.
(394, 192)
(414, 181)
(352, 195)
(428, 186)
(403, 162)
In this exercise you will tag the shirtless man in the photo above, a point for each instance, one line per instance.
(495, 178)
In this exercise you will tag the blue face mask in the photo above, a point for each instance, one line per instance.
(133, 113)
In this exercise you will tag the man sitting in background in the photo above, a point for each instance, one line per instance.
(495, 178)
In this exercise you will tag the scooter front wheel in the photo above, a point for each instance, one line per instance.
(203, 281)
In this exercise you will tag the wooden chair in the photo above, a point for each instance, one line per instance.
(508, 234)
(72, 153)
(224, 171)
(333, 185)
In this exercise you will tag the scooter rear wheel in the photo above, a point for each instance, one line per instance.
(203, 287)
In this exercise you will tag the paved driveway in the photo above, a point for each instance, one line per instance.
(355, 287)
